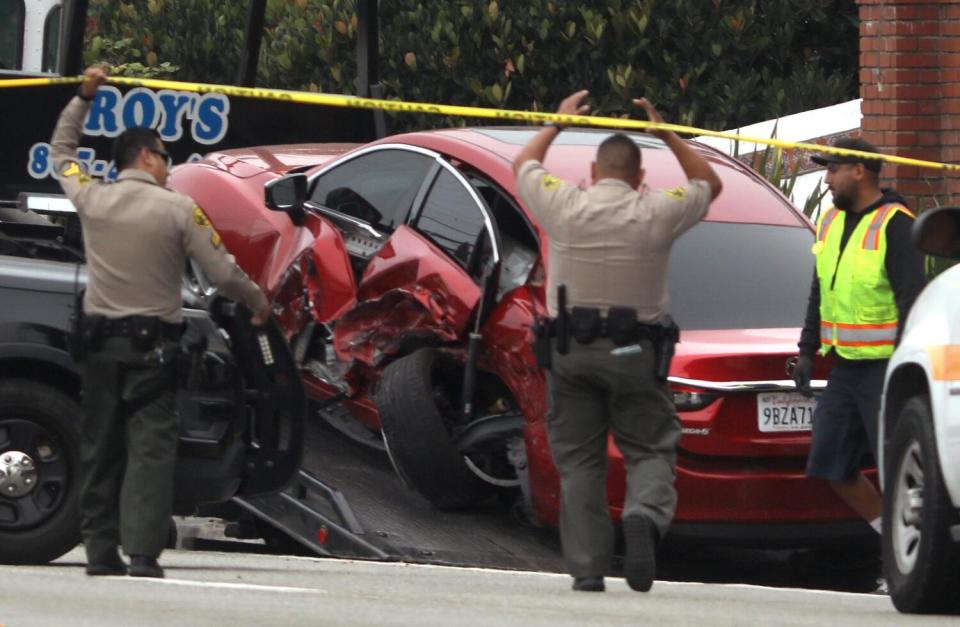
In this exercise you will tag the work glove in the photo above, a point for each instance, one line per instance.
(802, 372)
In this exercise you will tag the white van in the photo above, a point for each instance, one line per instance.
(920, 431)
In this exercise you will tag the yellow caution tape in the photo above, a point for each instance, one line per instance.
(505, 115)
(41, 82)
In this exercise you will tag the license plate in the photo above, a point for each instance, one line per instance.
(784, 411)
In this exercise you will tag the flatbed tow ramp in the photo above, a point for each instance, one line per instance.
(348, 502)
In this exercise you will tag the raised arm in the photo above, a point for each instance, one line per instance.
(69, 129)
(536, 148)
(694, 166)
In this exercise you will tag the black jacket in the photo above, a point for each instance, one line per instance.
(905, 267)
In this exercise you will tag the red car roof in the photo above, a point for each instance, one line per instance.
(746, 196)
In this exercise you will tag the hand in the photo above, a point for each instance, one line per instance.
(652, 114)
(260, 318)
(802, 372)
(573, 104)
(94, 78)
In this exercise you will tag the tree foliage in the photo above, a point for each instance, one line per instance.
(709, 63)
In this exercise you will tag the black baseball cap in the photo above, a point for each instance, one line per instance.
(850, 143)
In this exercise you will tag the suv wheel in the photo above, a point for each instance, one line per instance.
(417, 417)
(919, 557)
(39, 463)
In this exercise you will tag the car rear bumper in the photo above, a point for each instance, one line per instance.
(764, 495)
(820, 534)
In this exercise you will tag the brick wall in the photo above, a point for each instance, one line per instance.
(910, 85)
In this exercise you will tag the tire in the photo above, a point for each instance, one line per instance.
(42, 422)
(919, 557)
(417, 432)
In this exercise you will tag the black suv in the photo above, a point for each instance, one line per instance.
(240, 401)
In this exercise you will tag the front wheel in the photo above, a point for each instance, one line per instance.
(417, 415)
(919, 556)
(39, 464)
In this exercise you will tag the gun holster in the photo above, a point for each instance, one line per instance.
(665, 346)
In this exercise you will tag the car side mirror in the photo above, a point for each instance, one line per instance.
(287, 193)
(937, 232)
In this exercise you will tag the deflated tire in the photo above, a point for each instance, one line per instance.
(417, 400)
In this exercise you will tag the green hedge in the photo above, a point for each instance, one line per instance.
(711, 63)
(198, 39)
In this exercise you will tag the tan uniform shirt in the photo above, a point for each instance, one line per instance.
(609, 244)
(139, 235)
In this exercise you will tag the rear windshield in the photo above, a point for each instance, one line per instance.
(740, 276)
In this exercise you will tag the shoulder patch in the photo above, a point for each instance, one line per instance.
(74, 170)
(677, 193)
(550, 183)
(200, 218)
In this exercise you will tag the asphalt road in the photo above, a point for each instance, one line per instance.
(212, 588)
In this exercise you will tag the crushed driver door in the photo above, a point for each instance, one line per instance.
(429, 278)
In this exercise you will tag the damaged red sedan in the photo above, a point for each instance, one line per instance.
(408, 274)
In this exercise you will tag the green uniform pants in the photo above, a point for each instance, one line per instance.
(592, 393)
(128, 450)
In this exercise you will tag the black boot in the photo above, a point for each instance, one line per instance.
(639, 563)
(143, 566)
(112, 565)
(588, 584)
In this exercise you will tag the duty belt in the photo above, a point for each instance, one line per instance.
(586, 324)
(142, 328)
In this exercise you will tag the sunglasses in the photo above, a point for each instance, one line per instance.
(164, 154)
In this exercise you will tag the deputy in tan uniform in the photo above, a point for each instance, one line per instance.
(608, 245)
(138, 236)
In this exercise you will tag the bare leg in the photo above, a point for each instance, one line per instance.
(861, 496)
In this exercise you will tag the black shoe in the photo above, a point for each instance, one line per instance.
(110, 567)
(639, 563)
(588, 584)
(143, 566)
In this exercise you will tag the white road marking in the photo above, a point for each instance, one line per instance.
(659, 582)
(221, 584)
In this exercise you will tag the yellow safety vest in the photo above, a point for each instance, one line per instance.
(858, 312)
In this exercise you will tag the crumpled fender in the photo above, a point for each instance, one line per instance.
(379, 327)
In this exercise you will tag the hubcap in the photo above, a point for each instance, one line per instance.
(35, 474)
(907, 523)
(18, 474)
